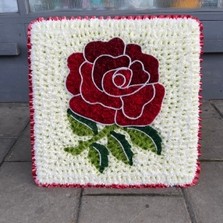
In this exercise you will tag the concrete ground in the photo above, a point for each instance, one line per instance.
(21, 201)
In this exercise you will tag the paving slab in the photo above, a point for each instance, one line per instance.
(5, 145)
(21, 151)
(207, 197)
(133, 209)
(13, 118)
(24, 202)
(219, 105)
(208, 111)
(138, 191)
(212, 128)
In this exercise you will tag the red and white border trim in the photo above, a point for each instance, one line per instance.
(32, 110)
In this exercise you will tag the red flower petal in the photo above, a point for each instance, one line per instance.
(114, 47)
(111, 89)
(150, 63)
(151, 110)
(94, 112)
(122, 77)
(107, 63)
(140, 76)
(92, 94)
(74, 79)
(119, 80)
(133, 105)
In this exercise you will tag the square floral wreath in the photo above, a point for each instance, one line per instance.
(115, 101)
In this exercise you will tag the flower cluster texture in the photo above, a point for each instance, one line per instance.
(114, 102)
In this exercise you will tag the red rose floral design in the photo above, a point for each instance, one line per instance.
(118, 86)
(112, 82)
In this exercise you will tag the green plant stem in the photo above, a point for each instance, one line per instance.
(104, 132)
(85, 144)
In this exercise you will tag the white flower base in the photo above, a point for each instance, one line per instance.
(175, 42)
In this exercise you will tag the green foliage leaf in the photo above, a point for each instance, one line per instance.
(146, 138)
(120, 148)
(98, 156)
(81, 126)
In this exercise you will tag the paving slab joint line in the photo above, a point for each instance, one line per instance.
(216, 108)
(8, 137)
(19, 104)
(132, 195)
(189, 206)
(15, 141)
(17, 161)
(79, 206)
(211, 160)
